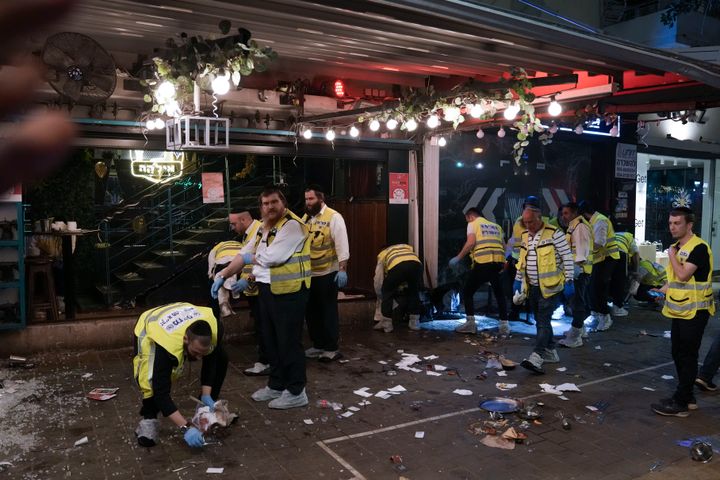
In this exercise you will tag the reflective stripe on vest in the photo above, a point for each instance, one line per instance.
(394, 255)
(166, 326)
(655, 275)
(550, 275)
(322, 245)
(296, 271)
(226, 251)
(519, 228)
(624, 242)
(610, 249)
(588, 263)
(488, 246)
(684, 299)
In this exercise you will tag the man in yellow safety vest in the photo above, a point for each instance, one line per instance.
(689, 303)
(486, 246)
(280, 256)
(622, 271)
(398, 273)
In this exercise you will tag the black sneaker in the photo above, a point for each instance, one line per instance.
(705, 385)
(670, 409)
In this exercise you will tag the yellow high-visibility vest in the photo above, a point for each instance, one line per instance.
(610, 249)
(297, 270)
(624, 242)
(322, 245)
(588, 263)
(550, 274)
(226, 251)
(394, 255)
(519, 228)
(684, 299)
(656, 276)
(166, 326)
(488, 246)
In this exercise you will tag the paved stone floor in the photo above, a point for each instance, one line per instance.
(43, 412)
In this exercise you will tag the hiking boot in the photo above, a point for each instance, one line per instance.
(288, 400)
(533, 363)
(257, 370)
(469, 326)
(504, 328)
(573, 338)
(385, 325)
(327, 357)
(618, 311)
(605, 323)
(265, 394)
(414, 322)
(313, 352)
(550, 356)
(670, 408)
(705, 385)
(147, 432)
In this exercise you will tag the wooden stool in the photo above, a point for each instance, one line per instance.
(41, 289)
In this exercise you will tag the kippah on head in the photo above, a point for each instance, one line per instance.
(315, 187)
(532, 202)
(200, 328)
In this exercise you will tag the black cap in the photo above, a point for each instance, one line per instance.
(532, 202)
(585, 207)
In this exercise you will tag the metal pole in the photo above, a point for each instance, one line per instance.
(227, 186)
(108, 292)
(170, 225)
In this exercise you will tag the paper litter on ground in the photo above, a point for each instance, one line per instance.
(382, 362)
(561, 369)
(440, 368)
(433, 374)
(102, 394)
(363, 392)
(383, 394)
(87, 375)
(462, 391)
(363, 403)
(408, 360)
(598, 347)
(400, 350)
(592, 409)
(505, 386)
(307, 421)
(82, 441)
(397, 389)
(526, 338)
(431, 357)
(347, 414)
(667, 377)
(563, 397)
(557, 390)
(353, 409)
(547, 388)
(498, 442)
(215, 470)
(607, 364)
(501, 373)
(493, 363)
(666, 334)
(343, 360)
(648, 389)
(419, 434)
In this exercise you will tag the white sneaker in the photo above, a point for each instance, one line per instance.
(558, 313)
(550, 356)
(573, 338)
(313, 352)
(533, 363)
(469, 326)
(385, 325)
(414, 322)
(257, 370)
(504, 328)
(147, 432)
(605, 323)
(265, 394)
(618, 312)
(288, 400)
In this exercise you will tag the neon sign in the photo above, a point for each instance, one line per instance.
(159, 169)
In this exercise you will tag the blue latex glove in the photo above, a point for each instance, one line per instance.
(208, 401)
(194, 438)
(216, 287)
(240, 286)
(517, 286)
(341, 279)
(453, 262)
(569, 290)
(247, 258)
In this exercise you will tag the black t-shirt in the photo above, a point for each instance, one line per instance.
(701, 257)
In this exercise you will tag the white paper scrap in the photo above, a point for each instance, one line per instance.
(400, 350)
(547, 388)
(462, 391)
(363, 403)
(431, 357)
(505, 386)
(501, 373)
(649, 389)
(433, 374)
(526, 338)
(363, 392)
(568, 387)
(413, 369)
(667, 377)
(561, 369)
(87, 375)
(591, 408)
(607, 364)
(307, 421)
(383, 394)
(440, 368)
(382, 362)
(598, 347)
(666, 334)
(343, 360)
(82, 441)
(563, 397)
(347, 414)
(215, 470)
(419, 434)
(397, 388)
(354, 409)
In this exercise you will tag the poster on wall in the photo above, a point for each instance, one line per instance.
(12, 195)
(399, 188)
(212, 187)
(626, 161)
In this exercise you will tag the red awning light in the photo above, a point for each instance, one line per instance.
(339, 88)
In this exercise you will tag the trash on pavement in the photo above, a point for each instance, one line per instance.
(566, 425)
(102, 394)
(505, 386)
(500, 404)
(363, 392)
(82, 441)
(215, 470)
(462, 391)
(17, 361)
(667, 377)
(328, 404)
(498, 442)
(701, 451)
(211, 422)
(419, 434)
(307, 421)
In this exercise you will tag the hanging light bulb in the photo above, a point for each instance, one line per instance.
(501, 132)
(391, 124)
(479, 165)
(554, 109)
(511, 111)
(221, 84)
(150, 124)
(374, 125)
(354, 132)
(579, 130)
(411, 125)
(330, 135)
(442, 142)
(307, 134)
(451, 114)
(166, 91)
(159, 124)
(477, 110)
(433, 121)
(480, 133)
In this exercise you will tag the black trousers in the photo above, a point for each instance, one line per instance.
(685, 338)
(254, 304)
(282, 318)
(321, 313)
(508, 278)
(480, 274)
(580, 301)
(600, 285)
(217, 362)
(406, 272)
(619, 281)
